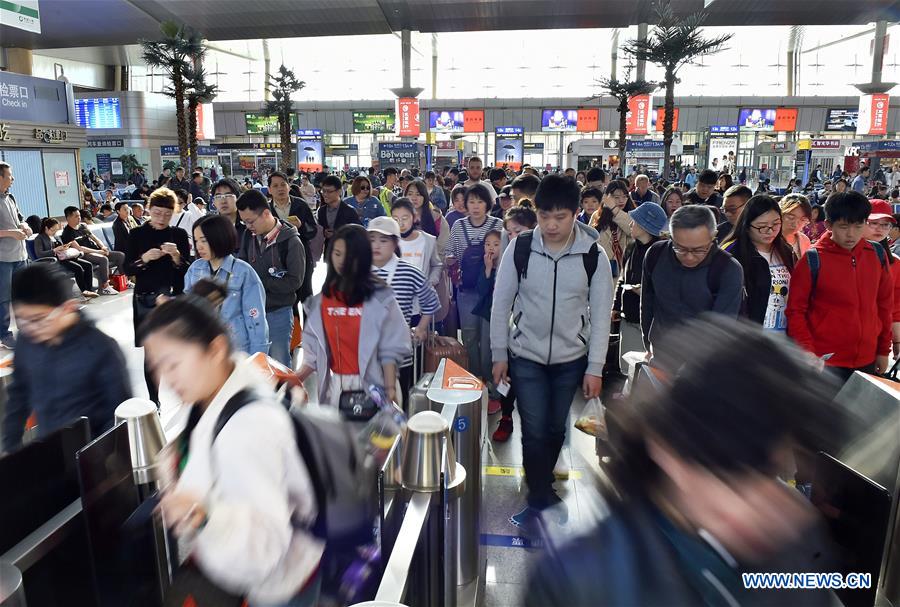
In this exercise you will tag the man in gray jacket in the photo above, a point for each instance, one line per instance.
(558, 292)
(688, 275)
(274, 250)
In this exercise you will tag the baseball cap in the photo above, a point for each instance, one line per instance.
(505, 191)
(881, 209)
(384, 225)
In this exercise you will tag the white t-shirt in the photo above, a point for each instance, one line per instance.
(775, 320)
(413, 252)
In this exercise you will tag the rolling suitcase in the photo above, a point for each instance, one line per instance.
(438, 347)
(418, 399)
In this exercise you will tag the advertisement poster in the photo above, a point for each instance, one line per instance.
(310, 154)
(408, 117)
(373, 122)
(554, 121)
(473, 121)
(104, 165)
(398, 154)
(248, 163)
(588, 121)
(658, 119)
(873, 114)
(446, 121)
(62, 178)
(786, 120)
(720, 149)
(264, 124)
(116, 167)
(206, 124)
(842, 120)
(756, 120)
(509, 147)
(638, 120)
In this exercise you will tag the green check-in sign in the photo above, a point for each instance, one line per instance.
(21, 14)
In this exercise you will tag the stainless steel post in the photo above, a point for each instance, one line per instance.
(463, 404)
(12, 591)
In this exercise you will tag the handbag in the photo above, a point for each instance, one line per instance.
(119, 282)
(443, 293)
(357, 406)
(67, 254)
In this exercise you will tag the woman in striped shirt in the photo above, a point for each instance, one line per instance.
(417, 298)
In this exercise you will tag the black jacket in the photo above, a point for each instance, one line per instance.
(307, 231)
(182, 184)
(714, 201)
(346, 215)
(120, 230)
(630, 559)
(84, 374)
(629, 302)
(757, 282)
(160, 275)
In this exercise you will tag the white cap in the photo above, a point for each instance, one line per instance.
(384, 225)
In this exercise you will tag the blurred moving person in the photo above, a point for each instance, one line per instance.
(65, 367)
(243, 498)
(696, 499)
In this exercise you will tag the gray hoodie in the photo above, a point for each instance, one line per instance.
(552, 317)
(281, 267)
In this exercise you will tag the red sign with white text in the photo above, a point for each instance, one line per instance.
(637, 122)
(473, 121)
(785, 120)
(660, 119)
(873, 114)
(588, 121)
(408, 117)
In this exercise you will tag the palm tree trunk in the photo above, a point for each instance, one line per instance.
(623, 128)
(178, 87)
(284, 122)
(668, 122)
(192, 131)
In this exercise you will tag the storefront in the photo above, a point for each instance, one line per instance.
(778, 158)
(827, 153)
(39, 140)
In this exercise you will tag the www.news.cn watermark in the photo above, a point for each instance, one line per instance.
(806, 581)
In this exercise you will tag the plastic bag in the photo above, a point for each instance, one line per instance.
(379, 433)
(593, 419)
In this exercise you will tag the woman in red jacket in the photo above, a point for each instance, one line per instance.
(880, 222)
(845, 308)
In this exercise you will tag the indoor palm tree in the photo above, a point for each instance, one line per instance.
(622, 91)
(282, 85)
(179, 48)
(674, 43)
(197, 91)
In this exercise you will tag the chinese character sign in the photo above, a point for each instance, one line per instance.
(637, 122)
(408, 117)
(873, 114)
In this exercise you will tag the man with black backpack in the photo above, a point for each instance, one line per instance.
(688, 275)
(550, 330)
(274, 250)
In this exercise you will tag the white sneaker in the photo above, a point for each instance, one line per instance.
(109, 291)
(129, 285)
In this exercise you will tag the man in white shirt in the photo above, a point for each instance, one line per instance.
(474, 169)
(186, 217)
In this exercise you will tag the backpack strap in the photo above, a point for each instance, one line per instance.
(590, 262)
(814, 262)
(234, 404)
(879, 250)
(522, 253)
(717, 267)
(651, 258)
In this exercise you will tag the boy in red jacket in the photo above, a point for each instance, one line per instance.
(846, 310)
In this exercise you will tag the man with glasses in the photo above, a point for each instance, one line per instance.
(688, 275)
(735, 199)
(334, 212)
(225, 193)
(65, 366)
(296, 212)
(274, 250)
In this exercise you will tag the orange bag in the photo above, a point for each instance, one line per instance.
(297, 333)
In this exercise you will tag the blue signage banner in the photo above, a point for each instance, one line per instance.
(509, 130)
(33, 99)
(646, 145)
(309, 133)
(727, 128)
(398, 154)
(169, 150)
(104, 165)
(202, 150)
(884, 145)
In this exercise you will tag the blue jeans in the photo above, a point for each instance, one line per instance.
(545, 394)
(281, 323)
(6, 271)
(471, 331)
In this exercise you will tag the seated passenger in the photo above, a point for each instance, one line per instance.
(47, 245)
(122, 226)
(65, 367)
(92, 249)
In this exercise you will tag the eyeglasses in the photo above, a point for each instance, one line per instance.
(329, 191)
(224, 197)
(696, 252)
(733, 210)
(883, 225)
(767, 229)
(365, 187)
(33, 323)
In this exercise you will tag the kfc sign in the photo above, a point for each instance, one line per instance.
(637, 121)
(408, 117)
(873, 114)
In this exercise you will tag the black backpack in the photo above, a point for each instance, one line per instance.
(717, 267)
(522, 254)
(471, 263)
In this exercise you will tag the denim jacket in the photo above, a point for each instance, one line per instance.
(244, 310)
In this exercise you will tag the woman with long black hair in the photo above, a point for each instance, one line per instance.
(428, 218)
(768, 261)
(355, 335)
(613, 223)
